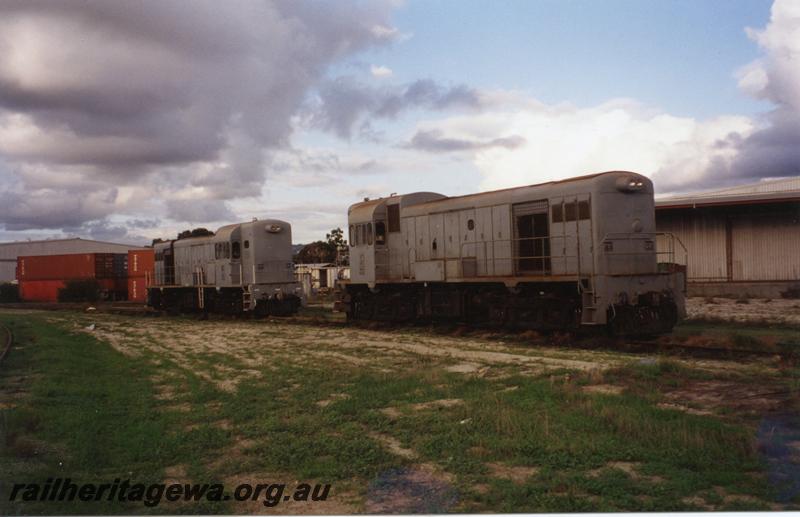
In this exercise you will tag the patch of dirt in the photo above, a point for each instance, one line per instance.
(419, 489)
(707, 396)
(225, 353)
(463, 368)
(223, 424)
(629, 468)
(437, 404)
(517, 474)
(777, 311)
(334, 397)
(336, 502)
(395, 412)
(439, 348)
(729, 499)
(183, 407)
(393, 445)
(698, 501)
(685, 409)
(604, 389)
(175, 474)
(392, 412)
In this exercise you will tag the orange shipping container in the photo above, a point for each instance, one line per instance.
(140, 262)
(76, 265)
(137, 289)
(47, 290)
(39, 290)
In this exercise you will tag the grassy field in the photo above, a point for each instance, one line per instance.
(407, 420)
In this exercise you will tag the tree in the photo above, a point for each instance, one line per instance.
(197, 232)
(322, 251)
(336, 238)
(316, 253)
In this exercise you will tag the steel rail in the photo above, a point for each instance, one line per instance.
(9, 341)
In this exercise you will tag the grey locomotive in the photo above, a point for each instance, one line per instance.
(243, 268)
(560, 255)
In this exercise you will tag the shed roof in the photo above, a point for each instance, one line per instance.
(68, 239)
(768, 191)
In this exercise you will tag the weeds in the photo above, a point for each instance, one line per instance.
(156, 409)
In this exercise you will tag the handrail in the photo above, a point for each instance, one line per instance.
(553, 264)
(196, 274)
(671, 253)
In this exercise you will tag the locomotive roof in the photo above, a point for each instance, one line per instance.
(366, 209)
(546, 183)
(224, 232)
(359, 209)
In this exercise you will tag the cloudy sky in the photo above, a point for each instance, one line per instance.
(126, 121)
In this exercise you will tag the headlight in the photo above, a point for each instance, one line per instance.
(630, 184)
(274, 228)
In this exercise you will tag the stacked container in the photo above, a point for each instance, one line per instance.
(40, 277)
(140, 273)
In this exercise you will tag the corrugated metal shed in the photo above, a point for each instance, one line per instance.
(769, 191)
(745, 237)
(9, 251)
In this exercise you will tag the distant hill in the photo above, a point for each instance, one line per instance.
(296, 248)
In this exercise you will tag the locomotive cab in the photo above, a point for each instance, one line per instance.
(378, 247)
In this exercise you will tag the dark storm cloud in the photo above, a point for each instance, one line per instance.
(199, 210)
(51, 208)
(128, 92)
(343, 102)
(773, 149)
(433, 141)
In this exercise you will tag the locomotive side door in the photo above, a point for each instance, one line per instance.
(169, 264)
(236, 262)
(409, 236)
(390, 250)
(531, 238)
(502, 235)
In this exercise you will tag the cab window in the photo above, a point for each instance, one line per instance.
(583, 210)
(380, 233)
(557, 213)
(570, 211)
(351, 236)
(236, 250)
(369, 234)
(394, 218)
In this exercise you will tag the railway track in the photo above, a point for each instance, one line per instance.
(715, 352)
(6, 340)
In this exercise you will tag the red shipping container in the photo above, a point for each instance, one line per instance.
(47, 290)
(137, 289)
(141, 262)
(39, 290)
(76, 265)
